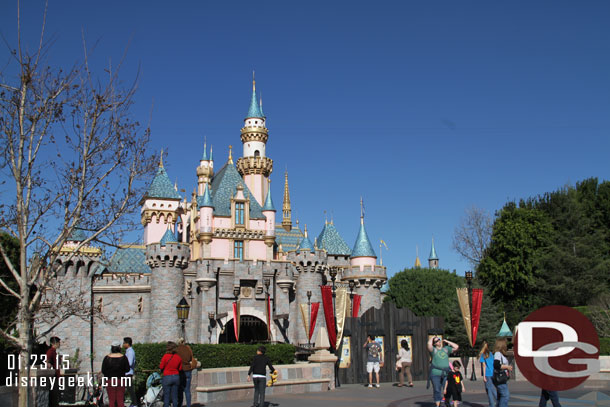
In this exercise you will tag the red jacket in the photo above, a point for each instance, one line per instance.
(171, 363)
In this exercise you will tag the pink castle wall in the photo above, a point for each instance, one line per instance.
(257, 250)
(363, 261)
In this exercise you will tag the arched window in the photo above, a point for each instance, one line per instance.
(257, 153)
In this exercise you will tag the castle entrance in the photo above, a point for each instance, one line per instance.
(251, 329)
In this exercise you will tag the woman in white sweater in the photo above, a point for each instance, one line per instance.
(403, 365)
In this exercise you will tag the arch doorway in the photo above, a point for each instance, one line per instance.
(251, 329)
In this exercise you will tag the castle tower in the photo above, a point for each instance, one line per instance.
(433, 258)
(205, 170)
(286, 211)
(363, 253)
(167, 259)
(255, 167)
(269, 212)
(206, 218)
(160, 205)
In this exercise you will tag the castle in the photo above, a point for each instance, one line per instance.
(223, 245)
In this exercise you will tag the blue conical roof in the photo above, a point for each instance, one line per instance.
(161, 186)
(330, 240)
(362, 247)
(77, 235)
(205, 153)
(205, 200)
(504, 331)
(255, 109)
(305, 245)
(268, 202)
(168, 237)
(433, 255)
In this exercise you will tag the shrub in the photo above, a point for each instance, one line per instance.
(148, 356)
(604, 346)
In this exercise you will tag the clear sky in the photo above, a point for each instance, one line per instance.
(423, 108)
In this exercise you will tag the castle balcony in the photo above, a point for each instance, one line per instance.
(366, 276)
(252, 133)
(254, 165)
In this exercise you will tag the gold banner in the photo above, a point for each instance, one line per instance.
(341, 305)
(305, 318)
(462, 295)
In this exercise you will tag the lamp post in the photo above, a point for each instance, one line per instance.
(309, 327)
(333, 278)
(236, 292)
(351, 295)
(182, 309)
(468, 276)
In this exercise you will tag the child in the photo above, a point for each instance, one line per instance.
(259, 374)
(454, 386)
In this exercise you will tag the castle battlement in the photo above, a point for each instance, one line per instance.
(171, 254)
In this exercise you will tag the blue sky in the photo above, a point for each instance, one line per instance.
(423, 108)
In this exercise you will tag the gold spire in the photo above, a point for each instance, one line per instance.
(253, 82)
(161, 159)
(286, 211)
(305, 232)
(230, 155)
(417, 262)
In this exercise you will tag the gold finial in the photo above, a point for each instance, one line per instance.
(361, 210)
(230, 154)
(161, 159)
(253, 82)
(305, 232)
(325, 218)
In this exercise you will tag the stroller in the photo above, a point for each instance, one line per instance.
(154, 391)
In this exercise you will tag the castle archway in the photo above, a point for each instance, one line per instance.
(252, 329)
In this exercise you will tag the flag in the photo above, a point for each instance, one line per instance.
(341, 307)
(268, 312)
(314, 316)
(477, 303)
(236, 320)
(463, 300)
(327, 303)
(356, 306)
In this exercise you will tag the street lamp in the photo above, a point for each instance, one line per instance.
(309, 327)
(351, 295)
(333, 277)
(182, 309)
(468, 276)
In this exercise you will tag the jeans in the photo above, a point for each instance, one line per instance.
(259, 391)
(116, 394)
(437, 385)
(170, 389)
(492, 393)
(186, 390)
(545, 395)
(503, 395)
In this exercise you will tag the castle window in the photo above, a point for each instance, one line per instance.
(238, 249)
(257, 153)
(239, 213)
(140, 305)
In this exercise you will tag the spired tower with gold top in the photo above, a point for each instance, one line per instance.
(254, 166)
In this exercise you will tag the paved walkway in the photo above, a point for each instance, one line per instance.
(523, 394)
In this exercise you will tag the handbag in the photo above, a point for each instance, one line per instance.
(499, 376)
(194, 363)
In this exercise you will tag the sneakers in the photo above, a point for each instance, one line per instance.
(377, 385)
(370, 385)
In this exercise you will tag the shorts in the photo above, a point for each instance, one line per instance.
(370, 366)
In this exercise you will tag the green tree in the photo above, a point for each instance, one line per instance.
(511, 269)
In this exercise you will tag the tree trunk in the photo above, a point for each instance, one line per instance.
(25, 336)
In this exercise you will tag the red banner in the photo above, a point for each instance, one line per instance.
(236, 320)
(314, 316)
(356, 305)
(268, 312)
(327, 303)
(477, 304)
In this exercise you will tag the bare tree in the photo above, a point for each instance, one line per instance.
(72, 157)
(473, 235)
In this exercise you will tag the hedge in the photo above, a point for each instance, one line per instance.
(148, 356)
(604, 346)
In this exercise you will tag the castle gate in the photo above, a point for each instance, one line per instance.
(389, 325)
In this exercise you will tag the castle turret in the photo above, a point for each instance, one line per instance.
(305, 244)
(160, 206)
(269, 212)
(286, 211)
(255, 167)
(167, 259)
(363, 253)
(433, 258)
(205, 170)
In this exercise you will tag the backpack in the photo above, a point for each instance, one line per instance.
(500, 376)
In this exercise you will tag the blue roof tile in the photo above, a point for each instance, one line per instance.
(168, 237)
(330, 240)
(289, 240)
(254, 110)
(129, 260)
(305, 245)
(161, 186)
(362, 247)
(77, 235)
(205, 200)
(224, 185)
(432, 255)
